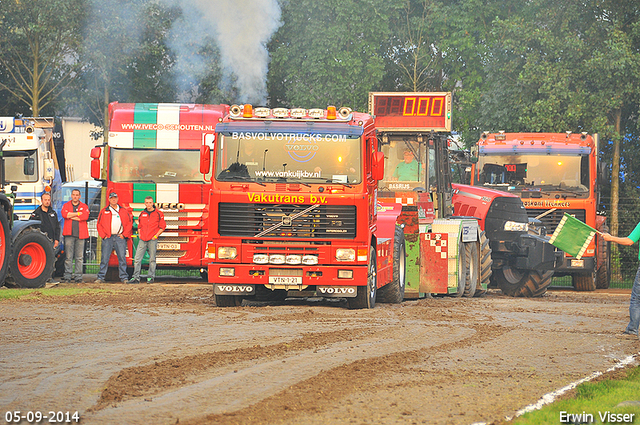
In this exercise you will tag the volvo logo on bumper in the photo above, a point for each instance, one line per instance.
(337, 291)
(234, 289)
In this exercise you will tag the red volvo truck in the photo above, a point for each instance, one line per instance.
(294, 210)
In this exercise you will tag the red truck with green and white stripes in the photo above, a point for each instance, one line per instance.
(153, 149)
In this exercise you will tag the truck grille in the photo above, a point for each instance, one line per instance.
(324, 222)
(551, 220)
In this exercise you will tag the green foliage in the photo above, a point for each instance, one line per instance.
(329, 54)
(39, 45)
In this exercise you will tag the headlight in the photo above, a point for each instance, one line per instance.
(227, 252)
(345, 254)
(294, 259)
(260, 258)
(276, 258)
(513, 226)
(310, 260)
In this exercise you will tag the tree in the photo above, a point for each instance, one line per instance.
(39, 41)
(327, 53)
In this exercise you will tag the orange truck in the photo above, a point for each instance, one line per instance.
(553, 174)
(293, 209)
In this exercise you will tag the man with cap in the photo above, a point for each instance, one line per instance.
(75, 232)
(114, 227)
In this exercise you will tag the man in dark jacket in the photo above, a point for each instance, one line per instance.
(49, 223)
(48, 217)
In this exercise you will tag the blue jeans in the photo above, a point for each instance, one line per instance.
(74, 249)
(142, 247)
(634, 306)
(118, 244)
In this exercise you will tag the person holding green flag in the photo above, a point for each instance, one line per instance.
(634, 305)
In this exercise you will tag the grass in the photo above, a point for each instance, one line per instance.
(7, 293)
(593, 398)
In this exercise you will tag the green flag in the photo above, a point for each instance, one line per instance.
(572, 236)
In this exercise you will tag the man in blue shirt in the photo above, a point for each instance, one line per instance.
(634, 303)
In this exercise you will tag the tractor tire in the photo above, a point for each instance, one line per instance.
(366, 297)
(393, 292)
(5, 245)
(485, 265)
(584, 281)
(32, 261)
(228, 300)
(525, 283)
(468, 269)
(603, 261)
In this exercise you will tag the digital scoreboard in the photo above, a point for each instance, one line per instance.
(411, 111)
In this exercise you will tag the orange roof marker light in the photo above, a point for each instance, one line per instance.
(247, 112)
(331, 113)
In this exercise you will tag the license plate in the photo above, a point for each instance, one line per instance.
(285, 280)
(577, 263)
(167, 245)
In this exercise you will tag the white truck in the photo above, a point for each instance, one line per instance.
(28, 161)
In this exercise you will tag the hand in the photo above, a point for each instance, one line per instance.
(55, 244)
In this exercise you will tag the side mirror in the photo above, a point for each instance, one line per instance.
(29, 167)
(49, 169)
(205, 159)
(96, 152)
(95, 169)
(377, 169)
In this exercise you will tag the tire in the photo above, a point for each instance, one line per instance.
(32, 261)
(584, 282)
(366, 297)
(522, 283)
(467, 269)
(228, 300)
(472, 269)
(5, 245)
(393, 292)
(59, 264)
(603, 261)
(486, 261)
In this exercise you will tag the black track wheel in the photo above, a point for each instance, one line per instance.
(5, 245)
(584, 281)
(228, 300)
(366, 297)
(522, 283)
(32, 260)
(393, 292)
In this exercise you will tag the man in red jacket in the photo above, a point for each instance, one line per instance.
(150, 225)
(114, 227)
(75, 232)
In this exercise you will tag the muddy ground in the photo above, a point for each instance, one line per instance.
(164, 354)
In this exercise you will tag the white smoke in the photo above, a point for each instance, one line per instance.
(241, 30)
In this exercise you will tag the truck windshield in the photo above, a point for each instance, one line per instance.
(154, 165)
(405, 164)
(288, 158)
(566, 173)
(14, 166)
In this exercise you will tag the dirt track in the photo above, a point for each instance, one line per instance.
(165, 354)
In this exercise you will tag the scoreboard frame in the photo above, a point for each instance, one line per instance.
(411, 111)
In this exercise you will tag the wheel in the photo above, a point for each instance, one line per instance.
(32, 261)
(5, 245)
(228, 300)
(485, 265)
(366, 297)
(603, 261)
(393, 292)
(584, 282)
(522, 283)
(59, 264)
(471, 269)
